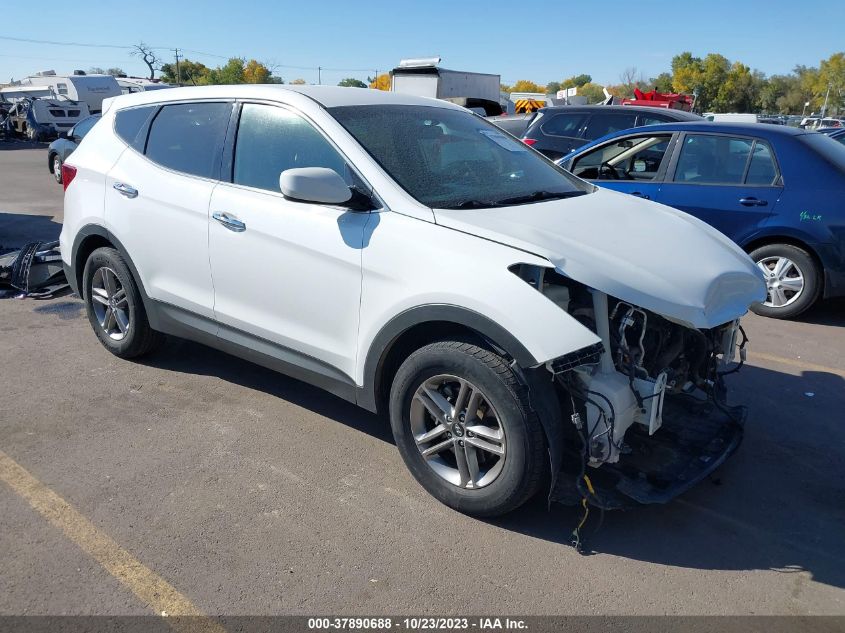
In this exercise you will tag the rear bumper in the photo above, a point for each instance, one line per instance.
(696, 438)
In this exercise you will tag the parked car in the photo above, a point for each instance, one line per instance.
(515, 124)
(62, 147)
(558, 130)
(836, 133)
(776, 191)
(409, 256)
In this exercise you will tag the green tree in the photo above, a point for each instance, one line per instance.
(524, 85)
(96, 70)
(232, 72)
(116, 72)
(190, 73)
(351, 82)
(576, 81)
(662, 83)
(592, 92)
(552, 87)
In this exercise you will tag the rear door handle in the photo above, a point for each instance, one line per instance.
(640, 194)
(751, 201)
(125, 190)
(230, 222)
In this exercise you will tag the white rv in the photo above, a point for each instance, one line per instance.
(424, 78)
(129, 85)
(90, 89)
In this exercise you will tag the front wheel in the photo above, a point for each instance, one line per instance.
(114, 306)
(465, 430)
(793, 280)
(57, 168)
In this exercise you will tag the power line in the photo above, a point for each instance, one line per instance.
(30, 41)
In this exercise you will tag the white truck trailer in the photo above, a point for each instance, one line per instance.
(424, 78)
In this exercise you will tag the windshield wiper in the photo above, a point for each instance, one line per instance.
(473, 204)
(537, 196)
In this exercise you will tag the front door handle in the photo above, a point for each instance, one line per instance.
(230, 222)
(125, 190)
(751, 201)
(640, 194)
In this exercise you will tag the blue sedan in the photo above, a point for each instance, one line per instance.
(778, 192)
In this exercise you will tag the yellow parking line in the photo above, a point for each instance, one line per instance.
(794, 362)
(154, 591)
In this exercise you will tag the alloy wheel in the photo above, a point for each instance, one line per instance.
(458, 432)
(111, 307)
(784, 281)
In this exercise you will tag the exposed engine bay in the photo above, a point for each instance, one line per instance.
(644, 368)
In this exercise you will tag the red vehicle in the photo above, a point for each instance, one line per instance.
(660, 100)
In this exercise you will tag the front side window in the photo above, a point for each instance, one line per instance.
(188, 137)
(761, 167)
(271, 140)
(602, 123)
(635, 158)
(448, 158)
(652, 119)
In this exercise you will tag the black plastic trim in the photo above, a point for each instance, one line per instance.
(419, 315)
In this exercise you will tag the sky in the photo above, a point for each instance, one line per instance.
(539, 40)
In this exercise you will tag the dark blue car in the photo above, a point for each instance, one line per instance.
(778, 192)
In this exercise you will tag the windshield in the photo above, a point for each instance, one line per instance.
(449, 158)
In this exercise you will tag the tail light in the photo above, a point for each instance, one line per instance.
(529, 141)
(68, 174)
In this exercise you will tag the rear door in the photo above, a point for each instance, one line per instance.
(633, 164)
(730, 182)
(556, 133)
(157, 197)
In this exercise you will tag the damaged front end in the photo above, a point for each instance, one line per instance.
(648, 408)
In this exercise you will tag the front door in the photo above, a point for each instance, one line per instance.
(286, 272)
(632, 164)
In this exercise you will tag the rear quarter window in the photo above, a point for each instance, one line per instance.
(130, 125)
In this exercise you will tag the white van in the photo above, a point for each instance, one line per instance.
(732, 117)
(91, 89)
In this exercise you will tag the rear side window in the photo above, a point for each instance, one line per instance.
(188, 137)
(271, 140)
(566, 124)
(725, 160)
(602, 123)
(131, 125)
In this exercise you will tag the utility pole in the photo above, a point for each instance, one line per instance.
(178, 76)
(319, 75)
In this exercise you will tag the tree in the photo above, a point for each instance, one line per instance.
(256, 73)
(593, 93)
(382, 82)
(190, 73)
(576, 81)
(96, 70)
(831, 77)
(631, 78)
(147, 56)
(351, 82)
(298, 82)
(232, 72)
(505, 88)
(524, 85)
(552, 87)
(116, 72)
(662, 83)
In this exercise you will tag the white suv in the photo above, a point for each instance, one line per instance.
(520, 326)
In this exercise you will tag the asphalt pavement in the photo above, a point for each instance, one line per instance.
(247, 492)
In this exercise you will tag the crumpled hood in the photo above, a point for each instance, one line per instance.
(644, 253)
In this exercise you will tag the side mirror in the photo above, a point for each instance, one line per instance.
(314, 184)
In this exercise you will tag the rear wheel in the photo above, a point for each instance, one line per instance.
(464, 428)
(114, 306)
(793, 280)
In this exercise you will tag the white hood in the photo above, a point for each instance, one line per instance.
(644, 253)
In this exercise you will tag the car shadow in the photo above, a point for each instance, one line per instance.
(778, 504)
(830, 312)
(13, 144)
(17, 229)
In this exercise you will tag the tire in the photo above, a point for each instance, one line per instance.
(502, 482)
(783, 302)
(127, 332)
(57, 168)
